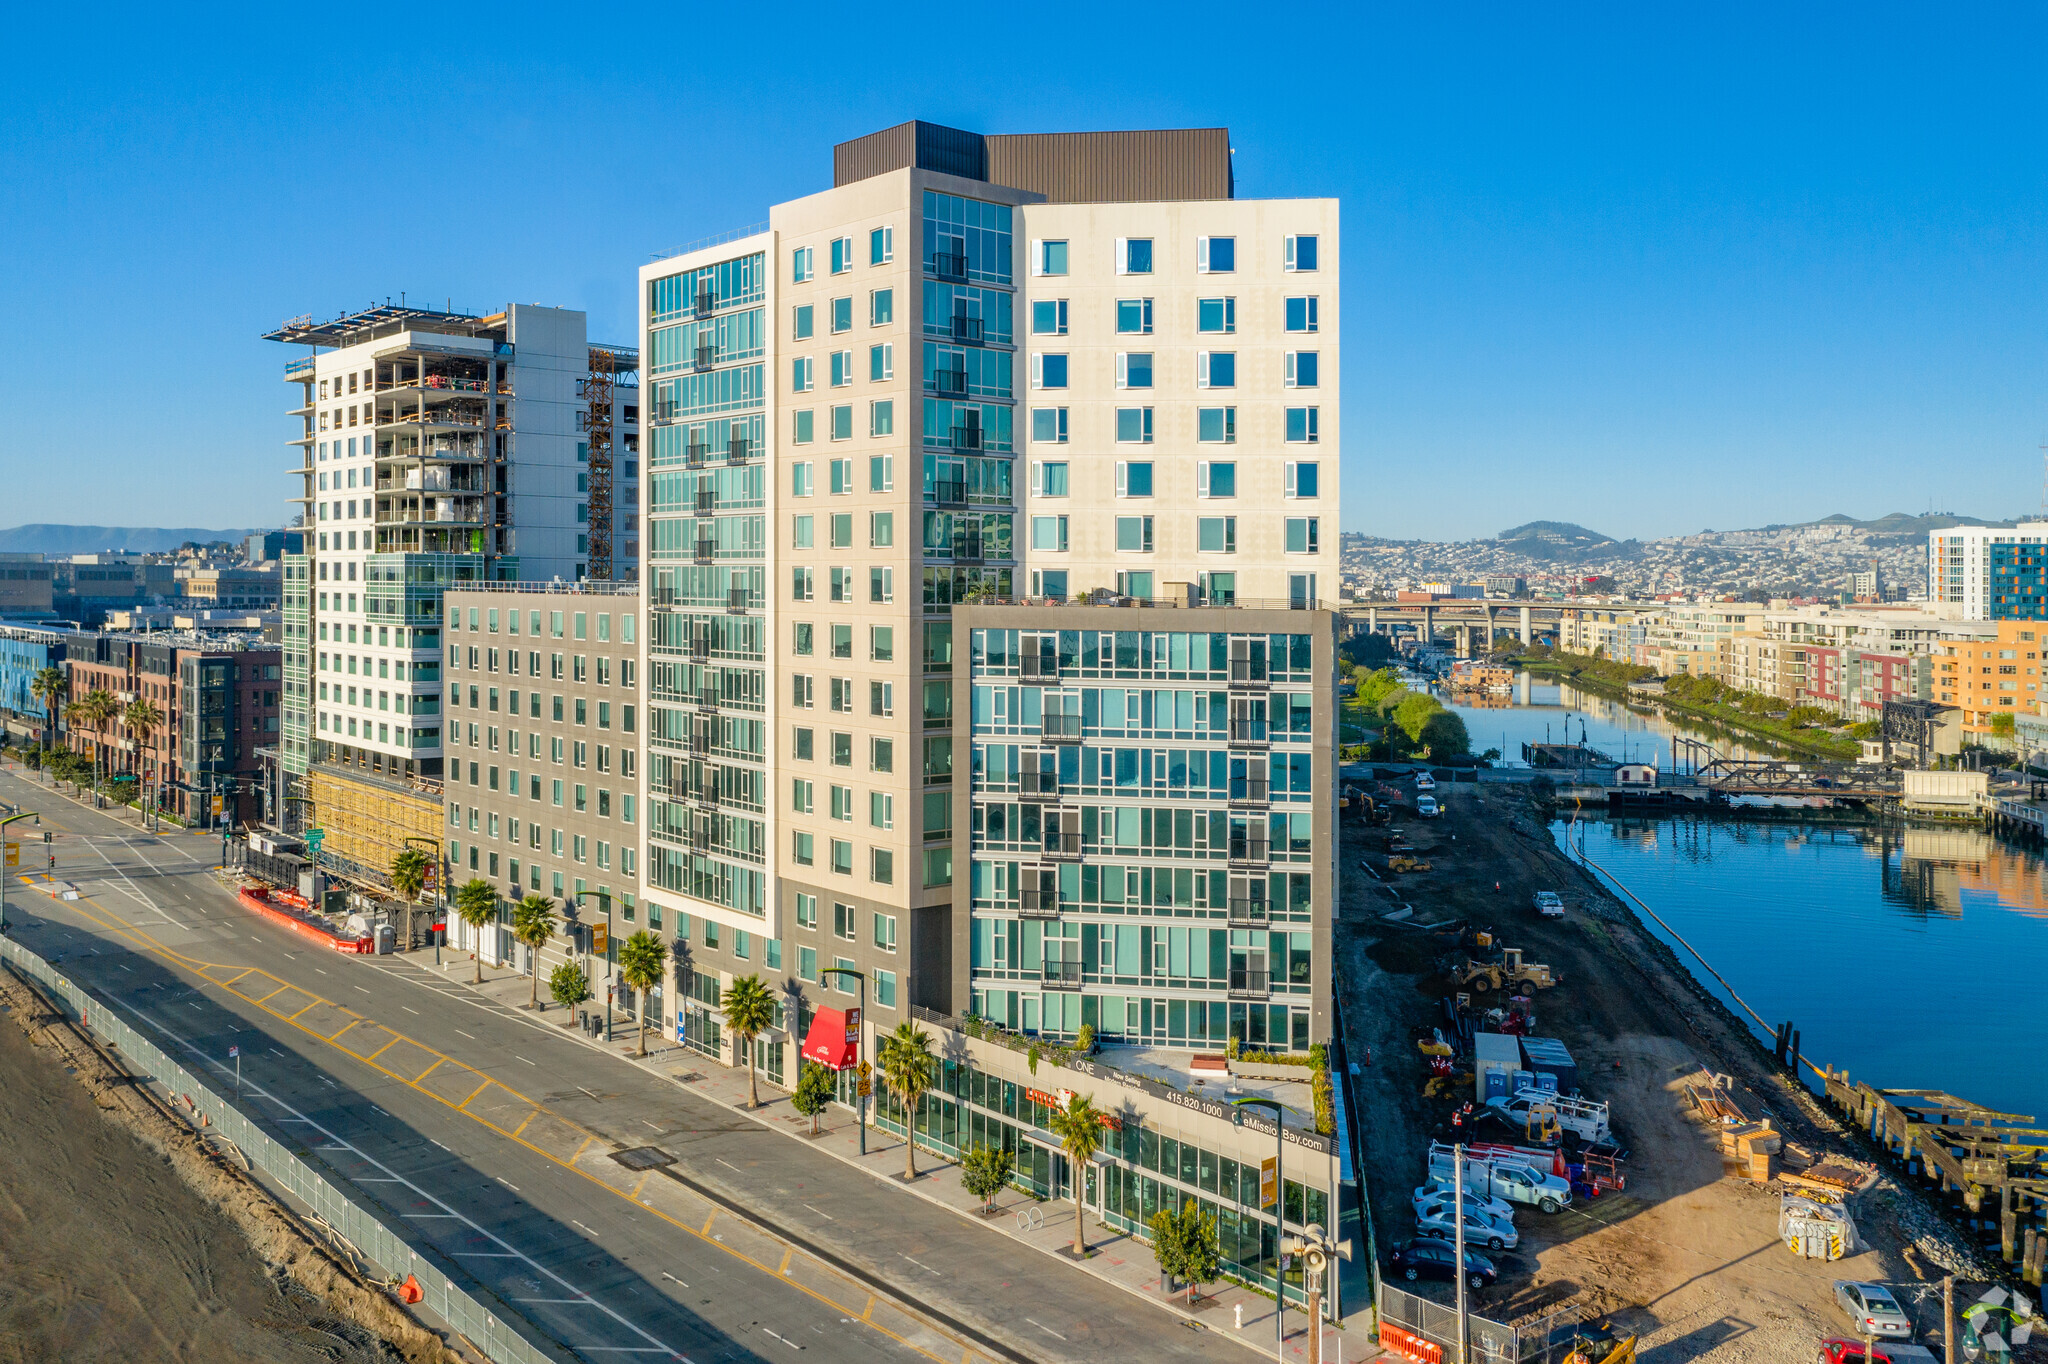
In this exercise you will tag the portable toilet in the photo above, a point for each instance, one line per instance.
(1495, 1058)
(1548, 1056)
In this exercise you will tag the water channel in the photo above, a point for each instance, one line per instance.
(1914, 956)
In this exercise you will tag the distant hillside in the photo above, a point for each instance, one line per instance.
(1898, 523)
(45, 538)
(1564, 542)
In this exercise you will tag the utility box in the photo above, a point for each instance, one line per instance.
(1495, 1059)
(1547, 1056)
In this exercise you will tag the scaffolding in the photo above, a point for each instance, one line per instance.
(366, 821)
(598, 395)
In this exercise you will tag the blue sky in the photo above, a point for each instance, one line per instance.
(1651, 272)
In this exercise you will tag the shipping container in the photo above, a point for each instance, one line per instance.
(1547, 1056)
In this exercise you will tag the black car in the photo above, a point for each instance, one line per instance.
(1426, 1259)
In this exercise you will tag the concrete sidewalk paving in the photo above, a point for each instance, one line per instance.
(1047, 1227)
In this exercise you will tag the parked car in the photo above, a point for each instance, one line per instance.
(1423, 1258)
(1427, 807)
(1582, 1118)
(1872, 1310)
(1476, 1204)
(1511, 1180)
(1548, 903)
(1838, 1351)
(1441, 1224)
(1424, 782)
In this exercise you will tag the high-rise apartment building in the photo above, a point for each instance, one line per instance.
(1959, 567)
(438, 449)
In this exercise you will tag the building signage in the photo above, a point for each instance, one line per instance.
(1269, 1181)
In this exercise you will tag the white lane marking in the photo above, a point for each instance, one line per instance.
(517, 1057)
(449, 1149)
(506, 1182)
(672, 1278)
(273, 1051)
(919, 1263)
(486, 1254)
(318, 969)
(124, 968)
(361, 988)
(1047, 1329)
(591, 1095)
(409, 1009)
(822, 1213)
(645, 1123)
(784, 1339)
(254, 938)
(581, 1225)
(433, 1216)
(729, 1165)
(470, 1035)
(133, 891)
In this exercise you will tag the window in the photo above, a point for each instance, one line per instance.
(801, 374)
(1216, 534)
(842, 368)
(842, 805)
(1216, 255)
(1134, 369)
(842, 423)
(1134, 425)
(804, 431)
(800, 533)
(842, 314)
(807, 957)
(1134, 316)
(800, 476)
(842, 255)
(885, 981)
(881, 363)
(1134, 255)
(801, 850)
(842, 857)
(800, 264)
(881, 246)
(806, 911)
(844, 919)
(1048, 371)
(842, 530)
(885, 928)
(881, 528)
(1301, 314)
(1049, 480)
(1301, 535)
(804, 743)
(842, 750)
(801, 326)
(882, 871)
(1216, 425)
(1216, 369)
(1049, 317)
(1302, 479)
(801, 587)
(841, 476)
(881, 755)
(804, 639)
(1302, 425)
(1049, 532)
(881, 307)
(881, 421)
(1049, 425)
(1300, 253)
(881, 583)
(800, 796)
(1137, 585)
(1301, 369)
(1134, 534)
(1216, 315)
(842, 584)
(1216, 479)
(1134, 479)
(1049, 258)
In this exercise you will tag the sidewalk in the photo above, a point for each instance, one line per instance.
(1047, 1227)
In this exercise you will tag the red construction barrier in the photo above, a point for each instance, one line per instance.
(263, 901)
(1408, 1345)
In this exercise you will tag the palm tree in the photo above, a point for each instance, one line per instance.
(907, 1064)
(409, 872)
(749, 1012)
(143, 720)
(476, 904)
(49, 686)
(96, 709)
(1079, 1128)
(641, 959)
(533, 923)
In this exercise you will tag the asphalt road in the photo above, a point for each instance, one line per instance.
(489, 1134)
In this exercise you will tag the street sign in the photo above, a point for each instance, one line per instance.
(220, 803)
(1269, 1181)
(234, 1052)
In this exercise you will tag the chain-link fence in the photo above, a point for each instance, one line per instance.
(380, 1251)
(1538, 1340)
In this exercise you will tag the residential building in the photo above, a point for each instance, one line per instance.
(543, 736)
(909, 425)
(1687, 637)
(220, 588)
(1990, 678)
(1505, 585)
(1959, 570)
(2019, 581)
(27, 588)
(436, 449)
(1613, 630)
(1756, 662)
(24, 652)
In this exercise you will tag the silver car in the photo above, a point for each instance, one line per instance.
(1872, 1310)
(1476, 1204)
(1439, 1223)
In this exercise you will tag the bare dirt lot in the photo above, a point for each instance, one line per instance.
(1688, 1256)
(107, 1253)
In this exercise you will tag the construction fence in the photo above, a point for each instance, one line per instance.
(1545, 1340)
(387, 1255)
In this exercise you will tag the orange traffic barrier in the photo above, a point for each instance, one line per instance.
(410, 1290)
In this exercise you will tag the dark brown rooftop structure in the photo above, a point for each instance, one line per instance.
(1147, 165)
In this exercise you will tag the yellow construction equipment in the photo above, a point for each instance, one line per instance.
(1588, 1352)
(1509, 970)
(1399, 862)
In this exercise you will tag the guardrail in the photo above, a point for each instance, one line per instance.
(498, 1339)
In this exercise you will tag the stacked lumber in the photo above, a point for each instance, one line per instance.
(1754, 1147)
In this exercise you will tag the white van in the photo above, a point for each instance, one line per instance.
(1427, 807)
(1424, 782)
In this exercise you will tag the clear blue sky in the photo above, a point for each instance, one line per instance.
(1646, 271)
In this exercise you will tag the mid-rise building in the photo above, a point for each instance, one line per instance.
(1992, 677)
(1959, 569)
(25, 652)
(27, 587)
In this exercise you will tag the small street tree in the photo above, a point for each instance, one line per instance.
(814, 1091)
(476, 904)
(907, 1064)
(409, 872)
(984, 1173)
(749, 1011)
(570, 987)
(641, 959)
(1167, 1249)
(1079, 1128)
(533, 923)
(1201, 1253)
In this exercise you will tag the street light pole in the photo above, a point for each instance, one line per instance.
(860, 1054)
(1279, 1111)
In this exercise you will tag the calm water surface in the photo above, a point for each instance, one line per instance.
(1545, 712)
(1918, 958)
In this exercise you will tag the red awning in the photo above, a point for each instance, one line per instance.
(829, 1043)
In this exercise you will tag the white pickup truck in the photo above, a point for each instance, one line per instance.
(1548, 903)
(1514, 1182)
(1583, 1118)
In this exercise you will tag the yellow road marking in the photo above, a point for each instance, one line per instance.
(414, 1081)
(788, 1252)
(464, 1105)
(707, 1223)
(344, 1028)
(581, 1149)
(395, 1040)
(272, 995)
(641, 1183)
(529, 1118)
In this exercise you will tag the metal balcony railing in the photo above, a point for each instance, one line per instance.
(700, 647)
(700, 744)
(1250, 791)
(703, 551)
(1252, 852)
(1247, 672)
(1038, 903)
(706, 357)
(1064, 844)
(736, 599)
(1246, 912)
(950, 265)
(1249, 733)
(947, 383)
(707, 301)
(1038, 665)
(1065, 729)
(947, 493)
(967, 549)
(1062, 975)
(707, 500)
(1039, 786)
(967, 329)
(1249, 984)
(707, 698)
(966, 437)
(737, 449)
(695, 455)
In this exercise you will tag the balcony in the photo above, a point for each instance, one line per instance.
(1039, 787)
(1250, 852)
(966, 437)
(738, 449)
(706, 357)
(1249, 734)
(1039, 666)
(736, 599)
(1038, 904)
(1250, 791)
(1250, 984)
(967, 549)
(700, 647)
(707, 501)
(1246, 912)
(703, 551)
(949, 265)
(700, 743)
(707, 698)
(1248, 673)
(1063, 845)
(696, 456)
(947, 383)
(967, 329)
(1062, 975)
(949, 494)
(1060, 729)
(707, 302)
